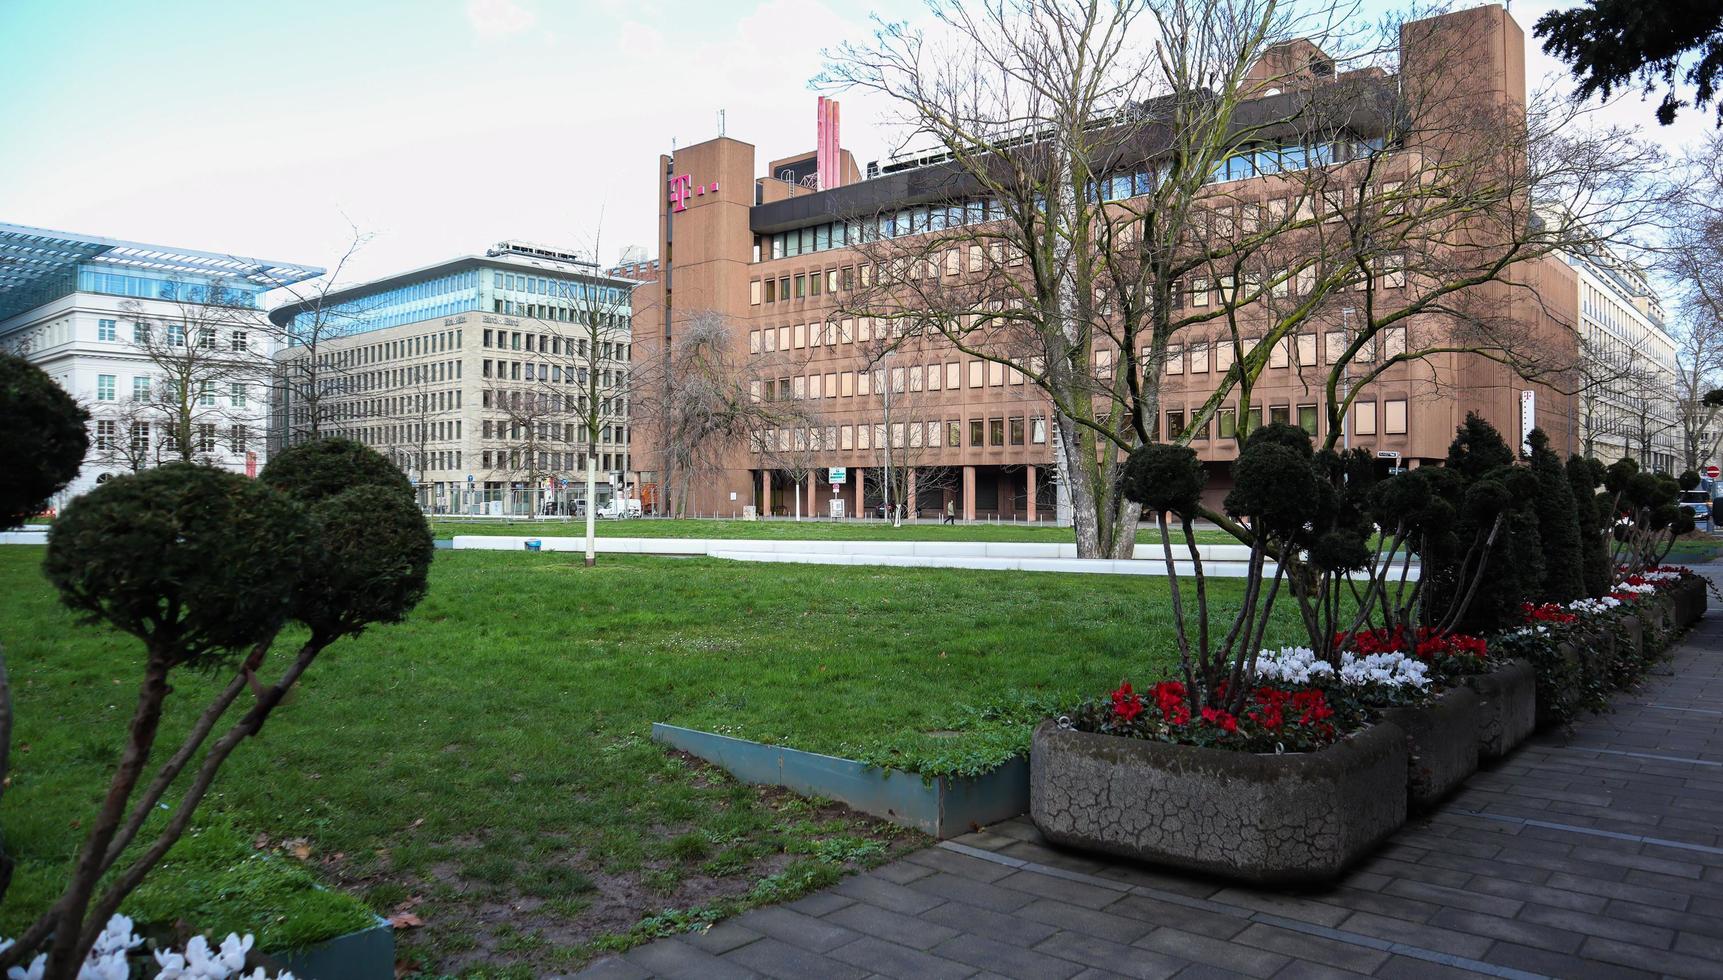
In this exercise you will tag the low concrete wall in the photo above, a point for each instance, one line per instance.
(943, 807)
(1508, 709)
(1441, 743)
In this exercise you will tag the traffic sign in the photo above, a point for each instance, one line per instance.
(1712, 472)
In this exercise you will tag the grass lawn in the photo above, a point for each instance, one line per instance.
(486, 765)
(926, 530)
(1695, 549)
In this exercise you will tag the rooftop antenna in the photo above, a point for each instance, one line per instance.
(720, 123)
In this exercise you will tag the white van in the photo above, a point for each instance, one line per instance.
(620, 507)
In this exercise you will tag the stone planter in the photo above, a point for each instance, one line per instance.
(1635, 637)
(1508, 707)
(1298, 817)
(1441, 743)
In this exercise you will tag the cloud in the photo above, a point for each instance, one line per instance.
(498, 18)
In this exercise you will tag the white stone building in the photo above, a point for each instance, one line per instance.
(157, 342)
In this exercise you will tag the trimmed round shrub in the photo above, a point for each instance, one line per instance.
(43, 438)
(1276, 487)
(371, 553)
(1558, 526)
(190, 559)
(322, 468)
(1164, 477)
(1281, 434)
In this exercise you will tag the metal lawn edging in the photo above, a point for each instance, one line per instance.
(368, 954)
(944, 806)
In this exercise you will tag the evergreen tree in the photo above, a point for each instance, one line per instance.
(1591, 513)
(1558, 526)
(1514, 566)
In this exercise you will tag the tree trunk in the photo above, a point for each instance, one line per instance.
(591, 509)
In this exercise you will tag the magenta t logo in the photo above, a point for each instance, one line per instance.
(682, 188)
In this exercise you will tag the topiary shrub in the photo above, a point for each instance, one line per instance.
(43, 439)
(1591, 512)
(201, 564)
(192, 560)
(323, 468)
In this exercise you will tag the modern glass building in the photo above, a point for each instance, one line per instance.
(102, 316)
(472, 375)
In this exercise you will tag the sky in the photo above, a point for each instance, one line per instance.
(437, 127)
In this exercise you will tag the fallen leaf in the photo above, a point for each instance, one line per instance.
(405, 920)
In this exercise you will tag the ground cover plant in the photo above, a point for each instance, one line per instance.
(779, 530)
(483, 768)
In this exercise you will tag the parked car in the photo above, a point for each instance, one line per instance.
(1700, 501)
(620, 507)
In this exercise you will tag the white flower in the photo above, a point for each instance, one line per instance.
(107, 960)
(1291, 665)
(1387, 669)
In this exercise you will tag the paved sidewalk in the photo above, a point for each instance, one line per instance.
(1599, 855)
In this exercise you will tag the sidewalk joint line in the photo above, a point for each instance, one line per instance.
(1253, 915)
(1594, 832)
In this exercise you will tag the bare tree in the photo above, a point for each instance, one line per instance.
(1105, 208)
(1693, 257)
(208, 363)
(310, 378)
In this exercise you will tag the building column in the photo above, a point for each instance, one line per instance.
(860, 493)
(909, 505)
(765, 493)
(1033, 516)
(813, 498)
(969, 493)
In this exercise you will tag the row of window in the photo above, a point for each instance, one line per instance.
(554, 373)
(558, 287)
(551, 431)
(544, 343)
(137, 436)
(237, 396)
(1249, 162)
(560, 314)
(990, 433)
(549, 461)
(91, 280)
(207, 338)
(1365, 419)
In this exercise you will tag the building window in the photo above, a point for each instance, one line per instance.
(1175, 424)
(1364, 418)
(996, 432)
(1394, 416)
(754, 292)
(954, 433)
(105, 430)
(140, 389)
(239, 438)
(176, 335)
(206, 394)
(976, 433)
(1016, 432)
(236, 394)
(107, 330)
(1307, 418)
(1227, 423)
(1038, 430)
(140, 333)
(205, 438)
(206, 339)
(240, 341)
(1280, 413)
(140, 436)
(104, 387)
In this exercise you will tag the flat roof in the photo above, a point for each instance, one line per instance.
(511, 261)
(28, 255)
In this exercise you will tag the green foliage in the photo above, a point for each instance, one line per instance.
(1512, 569)
(42, 439)
(322, 468)
(1558, 527)
(190, 559)
(1613, 44)
(1591, 513)
(1164, 478)
(371, 555)
(1275, 485)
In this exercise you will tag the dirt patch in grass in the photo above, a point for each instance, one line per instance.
(474, 913)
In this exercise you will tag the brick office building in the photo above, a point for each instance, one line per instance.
(778, 255)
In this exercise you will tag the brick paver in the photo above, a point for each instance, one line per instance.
(1598, 854)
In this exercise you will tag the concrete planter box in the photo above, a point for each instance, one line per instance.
(1631, 625)
(1299, 817)
(1441, 743)
(945, 806)
(1691, 600)
(1508, 707)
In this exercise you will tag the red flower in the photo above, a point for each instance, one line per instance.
(1126, 705)
(1220, 719)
